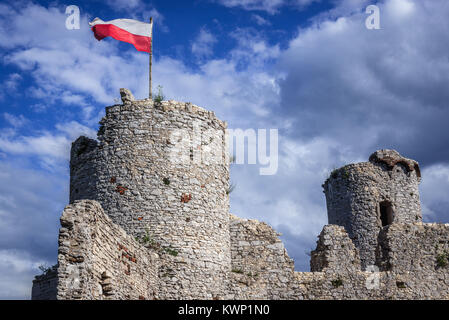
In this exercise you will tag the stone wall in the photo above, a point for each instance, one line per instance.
(261, 267)
(335, 251)
(83, 173)
(354, 194)
(416, 247)
(413, 258)
(161, 170)
(44, 285)
(98, 260)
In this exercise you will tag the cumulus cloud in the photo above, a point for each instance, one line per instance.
(386, 85)
(434, 188)
(62, 68)
(125, 4)
(62, 61)
(52, 149)
(74, 129)
(269, 6)
(18, 270)
(30, 205)
(139, 10)
(12, 81)
(15, 121)
(292, 200)
(303, 3)
(43, 145)
(260, 20)
(202, 46)
(356, 90)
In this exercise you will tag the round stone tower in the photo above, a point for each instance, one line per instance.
(160, 170)
(365, 197)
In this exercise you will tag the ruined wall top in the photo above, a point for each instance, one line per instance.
(392, 158)
(128, 100)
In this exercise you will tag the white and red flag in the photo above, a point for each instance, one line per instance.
(132, 31)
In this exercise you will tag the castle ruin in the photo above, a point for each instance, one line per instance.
(147, 220)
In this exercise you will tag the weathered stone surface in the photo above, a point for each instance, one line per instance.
(335, 252)
(261, 267)
(392, 158)
(126, 95)
(113, 264)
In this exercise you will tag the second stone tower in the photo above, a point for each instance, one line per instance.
(365, 197)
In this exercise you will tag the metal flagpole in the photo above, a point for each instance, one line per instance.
(151, 54)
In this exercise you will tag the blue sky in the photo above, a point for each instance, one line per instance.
(335, 90)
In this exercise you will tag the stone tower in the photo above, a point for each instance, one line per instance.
(365, 197)
(160, 170)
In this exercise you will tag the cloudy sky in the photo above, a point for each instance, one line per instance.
(335, 90)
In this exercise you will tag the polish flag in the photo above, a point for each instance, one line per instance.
(132, 31)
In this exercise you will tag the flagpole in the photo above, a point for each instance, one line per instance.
(151, 54)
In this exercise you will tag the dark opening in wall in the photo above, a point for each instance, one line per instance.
(386, 213)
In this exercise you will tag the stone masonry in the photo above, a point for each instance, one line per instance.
(149, 218)
(357, 193)
(148, 173)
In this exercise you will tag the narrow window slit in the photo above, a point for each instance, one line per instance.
(386, 213)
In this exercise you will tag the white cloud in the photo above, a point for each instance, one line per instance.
(356, 90)
(63, 67)
(140, 10)
(292, 200)
(304, 3)
(202, 46)
(400, 8)
(15, 121)
(46, 145)
(13, 81)
(30, 205)
(434, 188)
(346, 91)
(270, 6)
(260, 20)
(52, 148)
(343, 8)
(18, 269)
(125, 4)
(386, 85)
(74, 129)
